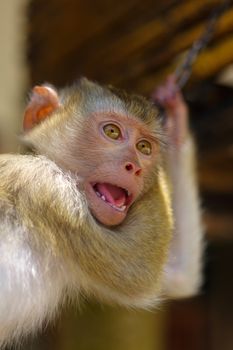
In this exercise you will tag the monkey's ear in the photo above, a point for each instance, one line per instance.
(43, 101)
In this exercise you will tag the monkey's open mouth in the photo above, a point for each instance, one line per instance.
(117, 197)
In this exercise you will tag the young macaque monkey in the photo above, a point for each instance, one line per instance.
(91, 210)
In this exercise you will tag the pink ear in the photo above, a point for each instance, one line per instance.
(44, 100)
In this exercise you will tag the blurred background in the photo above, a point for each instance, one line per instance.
(135, 44)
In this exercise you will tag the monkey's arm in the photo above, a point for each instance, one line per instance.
(183, 270)
(182, 276)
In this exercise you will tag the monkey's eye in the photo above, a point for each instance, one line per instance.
(112, 131)
(144, 147)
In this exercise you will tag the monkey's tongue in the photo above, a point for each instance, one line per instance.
(113, 194)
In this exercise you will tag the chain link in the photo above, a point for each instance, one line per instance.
(184, 70)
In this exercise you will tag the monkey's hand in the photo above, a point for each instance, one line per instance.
(170, 98)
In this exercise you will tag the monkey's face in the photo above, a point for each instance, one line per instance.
(121, 156)
(107, 138)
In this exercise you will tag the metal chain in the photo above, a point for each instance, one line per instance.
(184, 70)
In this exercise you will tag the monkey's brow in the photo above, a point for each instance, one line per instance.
(158, 137)
(154, 134)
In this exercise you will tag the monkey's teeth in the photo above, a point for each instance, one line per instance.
(101, 196)
(121, 209)
(118, 208)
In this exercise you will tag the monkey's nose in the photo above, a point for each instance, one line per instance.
(133, 168)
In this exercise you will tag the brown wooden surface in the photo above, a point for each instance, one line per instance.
(132, 43)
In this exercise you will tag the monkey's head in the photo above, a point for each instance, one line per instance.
(110, 140)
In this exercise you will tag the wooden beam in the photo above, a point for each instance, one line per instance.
(87, 48)
(214, 59)
(209, 63)
(168, 56)
(154, 33)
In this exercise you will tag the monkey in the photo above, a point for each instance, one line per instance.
(89, 211)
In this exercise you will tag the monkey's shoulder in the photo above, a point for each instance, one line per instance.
(18, 162)
(17, 167)
(33, 176)
(35, 182)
